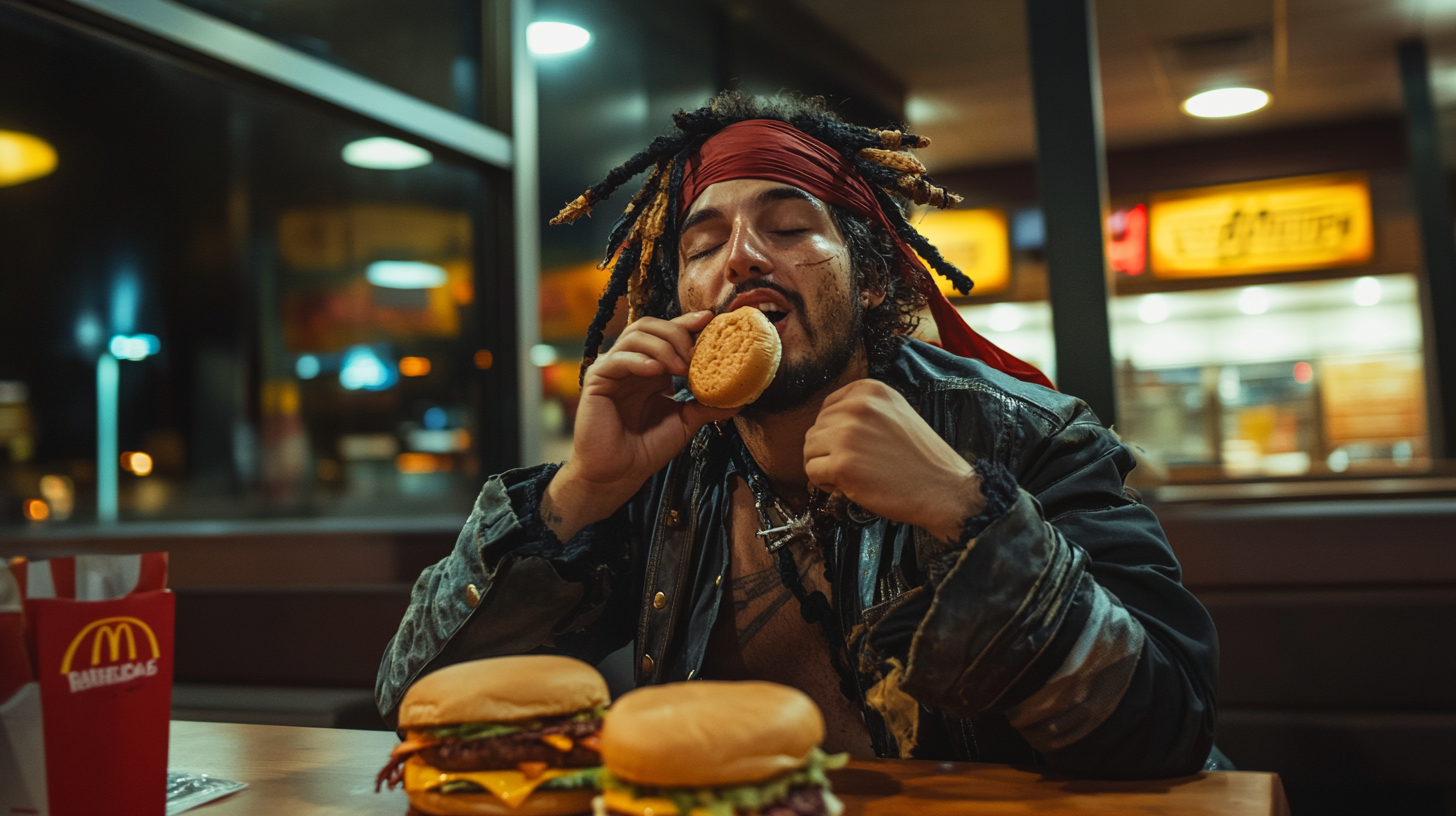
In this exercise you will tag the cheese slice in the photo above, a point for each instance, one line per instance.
(622, 802)
(512, 787)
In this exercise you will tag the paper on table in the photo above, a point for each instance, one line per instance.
(186, 791)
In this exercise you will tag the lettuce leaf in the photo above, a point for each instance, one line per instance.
(579, 778)
(725, 801)
(486, 730)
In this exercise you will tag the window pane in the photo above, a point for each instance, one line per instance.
(316, 321)
(430, 49)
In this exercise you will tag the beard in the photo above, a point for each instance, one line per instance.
(834, 337)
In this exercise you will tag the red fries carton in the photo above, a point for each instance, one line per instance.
(97, 641)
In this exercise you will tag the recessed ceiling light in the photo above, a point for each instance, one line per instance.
(384, 153)
(406, 275)
(1225, 102)
(555, 38)
(24, 157)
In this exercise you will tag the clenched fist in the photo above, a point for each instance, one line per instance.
(871, 446)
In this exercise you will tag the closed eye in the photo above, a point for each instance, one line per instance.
(705, 253)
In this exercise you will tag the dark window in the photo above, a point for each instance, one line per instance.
(222, 219)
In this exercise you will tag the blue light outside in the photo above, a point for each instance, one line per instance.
(134, 347)
(108, 381)
(126, 296)
(1028, 229)
(307, 367)
(436, 419)
(363, 369)
(406, 274)
(88, 333)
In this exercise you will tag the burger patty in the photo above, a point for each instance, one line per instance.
(503, 753)
(804, 801)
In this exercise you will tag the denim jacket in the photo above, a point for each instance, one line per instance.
(1060, 635)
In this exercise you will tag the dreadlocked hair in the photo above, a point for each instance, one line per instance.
(642, 248)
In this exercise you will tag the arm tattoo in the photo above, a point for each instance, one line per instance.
(548, 513)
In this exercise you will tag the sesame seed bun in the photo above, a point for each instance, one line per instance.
(539, 803)
(502, 689)
(705, 734)
(735, 359)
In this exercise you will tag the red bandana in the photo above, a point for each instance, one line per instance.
(776, 151)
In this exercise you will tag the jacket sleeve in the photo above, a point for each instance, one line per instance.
(1066, 614)
(511, 587)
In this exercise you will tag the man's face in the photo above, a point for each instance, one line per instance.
(750, 242)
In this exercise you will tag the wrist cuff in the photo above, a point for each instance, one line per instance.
(999, 487)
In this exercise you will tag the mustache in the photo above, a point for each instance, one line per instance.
(794, 298)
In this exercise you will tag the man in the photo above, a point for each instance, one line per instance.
(936, 549)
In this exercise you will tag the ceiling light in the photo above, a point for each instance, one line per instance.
(1225, 102)
(1253, 300)
(1367, 291)
(384, 153)
(1153, 309)
(555, 38)
(406, 275)
(24, 157)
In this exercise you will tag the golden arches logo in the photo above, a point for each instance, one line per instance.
(112, 631)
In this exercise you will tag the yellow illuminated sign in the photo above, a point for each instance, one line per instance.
(975, 241)
(1286, 225)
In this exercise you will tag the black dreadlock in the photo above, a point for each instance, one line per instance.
(646, 248)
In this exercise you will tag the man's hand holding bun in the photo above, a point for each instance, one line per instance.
(627, 427)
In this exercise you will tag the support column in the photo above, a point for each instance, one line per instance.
(526, 184)
(1438, 242)
(1072, 184)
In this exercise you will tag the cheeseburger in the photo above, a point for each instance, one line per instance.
(715, 749)
(507, 735)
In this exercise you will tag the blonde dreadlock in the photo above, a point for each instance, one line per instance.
(648, 229)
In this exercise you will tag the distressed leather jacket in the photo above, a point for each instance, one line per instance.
(1060, 635)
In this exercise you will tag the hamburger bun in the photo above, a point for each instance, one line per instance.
(735, 359)
(540, 803)
(502, 689)
(709, 734)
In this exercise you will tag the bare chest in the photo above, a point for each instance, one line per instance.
(761, 633)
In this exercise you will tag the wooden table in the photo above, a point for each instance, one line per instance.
(319, 771)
